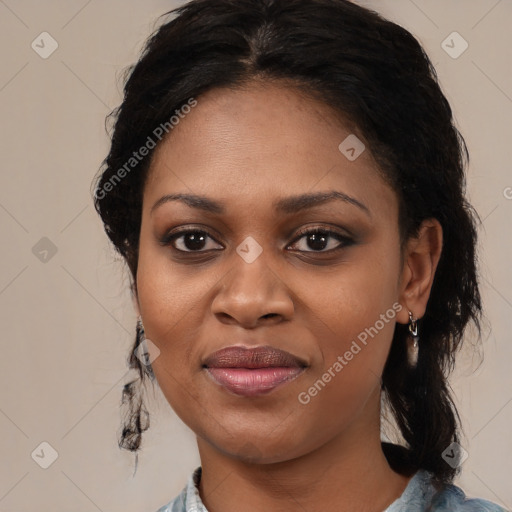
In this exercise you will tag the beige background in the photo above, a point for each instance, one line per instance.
(67, 323)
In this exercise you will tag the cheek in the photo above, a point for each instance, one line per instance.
(165, 300)
(353, 316)
(172, 302)
(170, 310)
(353, 298)
(351, 355)
(172, 323)
(353, 339)
(167, 292)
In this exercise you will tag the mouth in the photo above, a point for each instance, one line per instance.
(252, 371)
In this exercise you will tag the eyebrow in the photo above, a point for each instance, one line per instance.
(288, 205)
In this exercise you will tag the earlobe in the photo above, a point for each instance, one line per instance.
(421, 258)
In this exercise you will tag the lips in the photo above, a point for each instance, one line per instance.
(252, 371)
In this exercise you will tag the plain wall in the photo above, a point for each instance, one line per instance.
(68, 322)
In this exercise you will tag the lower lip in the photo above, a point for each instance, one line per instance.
(253, 382)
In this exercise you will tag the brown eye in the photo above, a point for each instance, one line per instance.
(321, 240)
(190, 241)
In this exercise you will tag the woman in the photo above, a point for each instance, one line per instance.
(286, 185)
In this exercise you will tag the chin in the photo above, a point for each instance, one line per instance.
(258, 448)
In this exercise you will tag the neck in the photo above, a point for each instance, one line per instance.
(348, 472)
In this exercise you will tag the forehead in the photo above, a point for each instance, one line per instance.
(252, 144)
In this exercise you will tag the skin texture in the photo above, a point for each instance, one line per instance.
(247, 148)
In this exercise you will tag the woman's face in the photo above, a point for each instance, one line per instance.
(243, 271)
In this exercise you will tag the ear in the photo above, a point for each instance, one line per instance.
(421, 256)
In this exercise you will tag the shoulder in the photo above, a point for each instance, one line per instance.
(188, 499)
(452, 498)
(423, 495)
(178, 504)
(420, 495)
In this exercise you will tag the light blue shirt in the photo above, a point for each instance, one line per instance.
(420, 495)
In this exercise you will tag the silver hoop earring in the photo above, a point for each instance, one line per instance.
(142, 351)
(412, 342)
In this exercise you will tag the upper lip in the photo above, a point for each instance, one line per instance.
(254, 357)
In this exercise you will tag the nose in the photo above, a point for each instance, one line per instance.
(252, 294)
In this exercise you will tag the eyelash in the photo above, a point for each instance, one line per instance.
(344, 240)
